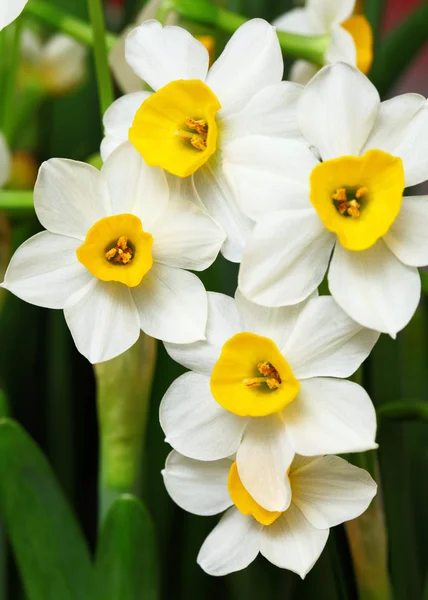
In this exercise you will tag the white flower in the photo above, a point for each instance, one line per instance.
(350, 204)
(114, 254)
(60, 63)
(351, 38)
(5, 161)
(326, 491)
(187, 125)
(10, 10)
(264, 384)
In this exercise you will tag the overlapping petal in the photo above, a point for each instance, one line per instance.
(407, 237)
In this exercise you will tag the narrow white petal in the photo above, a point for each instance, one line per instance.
(302, 72)
(270, 112)
(274, 323)
(70, 197)
(10, 10)
(401, 129)
(329, 490)
(198, 487)
(337, 110)
(221, 203)
(186, 236)
(232, 545)
(172, 304)
(330, 416)
(103, 321)
(160, 55)
(45, 270)
(193, 422)
(408, 238)
(269, 174)
(223, 322)
(374, 287)
(292, 543)
(286, 258)
(326, 342)
(263, 458)
(296, 20)
(251, 60)
(118, 118)
(135, 187)
(342, 46)
(4, 161)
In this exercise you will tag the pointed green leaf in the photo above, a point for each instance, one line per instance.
(126, 563)
(49, 547)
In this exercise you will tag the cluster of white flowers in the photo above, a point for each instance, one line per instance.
(292, 183)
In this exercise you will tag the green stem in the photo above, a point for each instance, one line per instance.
(104, 79)
(61, 21)
(9, 90)
(403, 411)
(16, 203)
(311, 48)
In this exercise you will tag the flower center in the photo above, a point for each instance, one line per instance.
(175, 128)
(245, 503)
(358, 197)
(252, 378)
(109, 255)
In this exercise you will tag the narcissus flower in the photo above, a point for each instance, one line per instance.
(326, 491)
(347, 212)
(114, 254)
(10, 10)
(59, 64)
(351, 38)
(186, 126)
(265, 384)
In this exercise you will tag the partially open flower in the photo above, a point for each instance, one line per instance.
(325, 491)
(266, 384)
(351, 38)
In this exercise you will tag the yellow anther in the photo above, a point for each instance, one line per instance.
(362, 191)
(340, 195)
(121, 253)
(198, 142)
(266, 369)
(353, 208)
(253, 381)
(273, 384)
(197, 125)
(270, 377)
(111, 253)
(122, 242)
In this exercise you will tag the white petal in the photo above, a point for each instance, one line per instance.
(402, 130)
(296, 20)
(45, 270)
(330, 416)
(70, 197)
(193, 422)
(374, 287)
(232, 545)
(186, 236)
(251, 60)
(342, 46)
(160, 55)
(270, 112)
(274, 323)
(219, 200)
(198, 487)
(10, 10)
(135, 187)
(331, 11)
(286, 258)
(117, 120)
(326, 342)
(103, 320)
(407, 238)
(4, 161)
(263, 458)
(329, 491)
(223, 322)
(303, 71)
(172, 304)
(292, 543)
(337, 110)
(269, 174)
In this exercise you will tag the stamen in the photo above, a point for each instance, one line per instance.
(362, 191)
(121, 253)
(199, 139)
(340, 195)
(270, 377)
(347, 207)
(200, 125)
(353, 208)
(198, 142)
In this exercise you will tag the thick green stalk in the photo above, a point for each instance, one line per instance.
(123, 393)
(16, 203)
(104, 79)
(61, 21)
(10, 83)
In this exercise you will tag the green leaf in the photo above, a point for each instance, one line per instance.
(49, 547)
(403, 411)
(126, 562)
